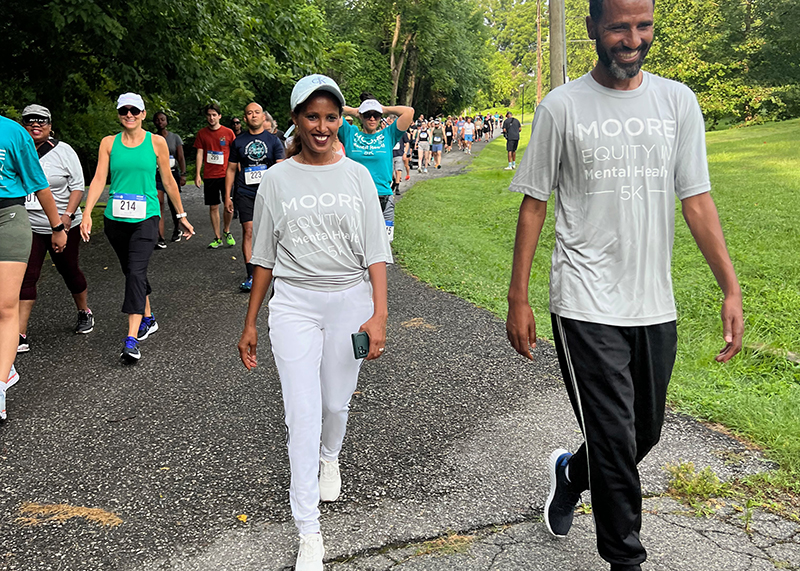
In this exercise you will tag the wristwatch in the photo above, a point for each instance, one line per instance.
(71, 215)
(59, 228)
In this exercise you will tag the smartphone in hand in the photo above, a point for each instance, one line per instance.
(360, 344)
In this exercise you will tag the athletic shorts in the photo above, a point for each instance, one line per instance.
(15, 234)
(244, 204)
(468, 138)
(436, 147)
(424, 146)
(213, 191)
(511, 145)
(397, 162)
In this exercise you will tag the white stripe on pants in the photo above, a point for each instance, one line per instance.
(310, 336)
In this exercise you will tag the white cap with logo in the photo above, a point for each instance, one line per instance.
(370, 105)
(132, 99)
(312, 83)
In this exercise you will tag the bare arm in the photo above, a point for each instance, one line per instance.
(405, 116)
(352, 111)
(181, 158)
(520, 324)
(198, 165)
(230, 177)
(170, 186)
(97, 185)
(248, 342)
(375, 326)
(701, 215)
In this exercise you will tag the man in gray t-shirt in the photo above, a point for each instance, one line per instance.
(511, 129)
(616, 146)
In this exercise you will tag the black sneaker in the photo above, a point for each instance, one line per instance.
(24, 345)
(177, 235)
(616, 567)
(85, 322)
(147, 327)
(130, 351)
(161, 244)
(559, 508)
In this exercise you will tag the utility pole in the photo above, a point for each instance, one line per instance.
(522, 87)
(558, 44)
(538, 52)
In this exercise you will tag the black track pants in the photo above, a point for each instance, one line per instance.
(617, 381)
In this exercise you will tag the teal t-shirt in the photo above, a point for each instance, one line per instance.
(373, 151)
(20, 171)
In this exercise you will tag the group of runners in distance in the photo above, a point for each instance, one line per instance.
(316, 207)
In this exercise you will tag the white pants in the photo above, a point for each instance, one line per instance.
(310, 336)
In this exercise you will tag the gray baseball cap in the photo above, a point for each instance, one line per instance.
(36, 111)
(312, 83)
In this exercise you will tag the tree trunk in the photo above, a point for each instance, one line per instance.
(396, 64)
(412, 78)
(538, 52)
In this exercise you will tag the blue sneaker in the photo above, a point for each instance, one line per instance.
(246, 285)
(130, 352)
(559, 508)
(147, 327)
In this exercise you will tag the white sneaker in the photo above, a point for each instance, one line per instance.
(330, 481)
(310, 554)
(425, 169)
(13, 377)
(509, 168)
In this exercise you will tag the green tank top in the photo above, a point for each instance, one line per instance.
(133, 181)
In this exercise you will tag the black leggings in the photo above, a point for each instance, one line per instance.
(133, 243)
(66, 263)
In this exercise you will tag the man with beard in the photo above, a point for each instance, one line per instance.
(255, 151)
(616, 145)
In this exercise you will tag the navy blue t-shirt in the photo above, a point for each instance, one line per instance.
(254, 154)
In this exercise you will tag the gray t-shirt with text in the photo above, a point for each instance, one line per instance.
(319, 227)
(616, 160)
(64, 174)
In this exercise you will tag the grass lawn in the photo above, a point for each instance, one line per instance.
(457, 234)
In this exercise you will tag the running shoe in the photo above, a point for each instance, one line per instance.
(3, 415)
(559, 509)
(85, 322)
(24, 345)
(408, 176)
(425, 169)
(246, 285)
(13, 377)
(130, 351)
(438, 166)
(147, 327)
(229, 239)
(215, 244)
(176, 236)
(311, 553)
(161, 244)
(330, 481)
(509, 168)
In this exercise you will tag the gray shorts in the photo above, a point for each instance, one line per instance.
(424, 146)
(397, 163)
(15, 234)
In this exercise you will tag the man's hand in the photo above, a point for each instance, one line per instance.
(198, 181)
(521, 329)
(229, 205)
(732, 328)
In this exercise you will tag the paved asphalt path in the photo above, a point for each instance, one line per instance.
(448, 431)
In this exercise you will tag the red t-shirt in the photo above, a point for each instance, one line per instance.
(216, 147)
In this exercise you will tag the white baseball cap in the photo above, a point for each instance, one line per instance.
(132, 99)
(312, 83)
(370, 105)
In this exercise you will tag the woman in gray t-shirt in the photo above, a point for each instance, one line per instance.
(65, 177)
(318, 230)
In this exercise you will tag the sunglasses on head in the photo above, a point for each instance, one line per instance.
(237, 122)
(35, 121)
(123, 111)
(372, 115)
